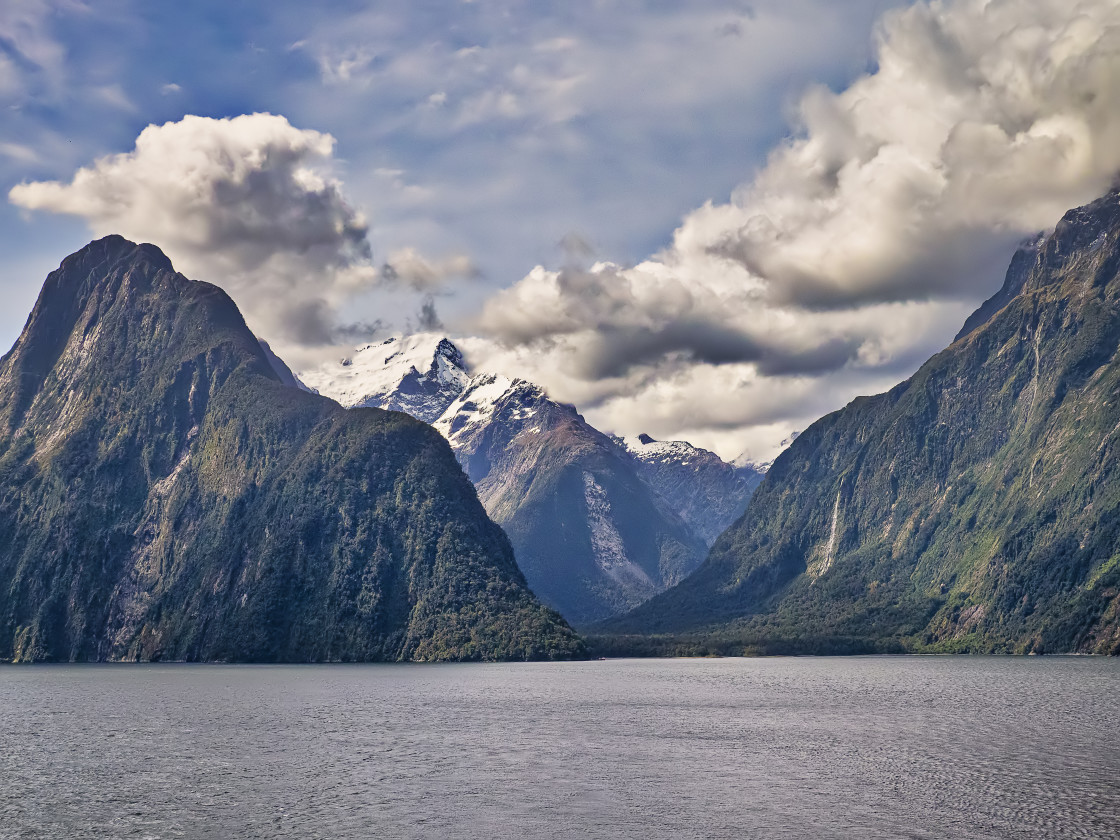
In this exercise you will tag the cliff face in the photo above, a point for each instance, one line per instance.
(708, 493)
(164, 495)
(975, 506)
(596, 528)
(593, 538)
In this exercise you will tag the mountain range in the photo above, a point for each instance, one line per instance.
(168, 492)
(974, 507)
(598, 524)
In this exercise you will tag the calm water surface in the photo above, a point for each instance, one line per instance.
(785, 748)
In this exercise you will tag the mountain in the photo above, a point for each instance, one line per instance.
(419, 374)
(590, 535)
(707, 492)
(1017, 274)
(974, 507)
(590, 526)
(164, 495)
(280, 368)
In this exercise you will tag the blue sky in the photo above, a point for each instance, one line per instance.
(616, 160)
(636, 203)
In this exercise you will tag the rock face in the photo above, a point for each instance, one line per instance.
(974, 507)
(419, 374)
(592, 537)
(708, 493)
(164, 495)
(597, 525)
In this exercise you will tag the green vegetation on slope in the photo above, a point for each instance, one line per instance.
(164, 496)
(975, 507)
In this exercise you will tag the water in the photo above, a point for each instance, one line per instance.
(766, 748)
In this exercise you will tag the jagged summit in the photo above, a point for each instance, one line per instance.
(419, 374)
(67, 331)
(591, 531)
(705, 490)
(647, 448)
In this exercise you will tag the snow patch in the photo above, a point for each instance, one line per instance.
(419, 374)
(606, 542)
(375, 372)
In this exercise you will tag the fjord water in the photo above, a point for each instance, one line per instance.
(930, 747)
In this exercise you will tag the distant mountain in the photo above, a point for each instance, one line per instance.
(974, 507)
(707, 492)
(596, 528)
(164, 495)
(418, 374)
(591, 537)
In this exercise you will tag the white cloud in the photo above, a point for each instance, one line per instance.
(519, 124)
(341, 69)
(30, 56)
(24, 25)
(19, 152)
(115, 97)
(412, 269)
(860, 245)
(252, 204)
(249, 203)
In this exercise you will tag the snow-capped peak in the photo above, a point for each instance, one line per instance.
(486, 398)
(420, 374)
(645, 448)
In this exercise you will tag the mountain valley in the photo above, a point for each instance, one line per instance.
(974, 507)
(598, 524)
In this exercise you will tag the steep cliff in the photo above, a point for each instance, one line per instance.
(163, 494)
(974, 507)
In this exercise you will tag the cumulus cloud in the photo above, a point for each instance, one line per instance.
(410, 268)
(857, 249)
(249, 203)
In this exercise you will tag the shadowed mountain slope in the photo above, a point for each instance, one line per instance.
(975, 507)
(592, 537)
(598, 524)
(163, 495)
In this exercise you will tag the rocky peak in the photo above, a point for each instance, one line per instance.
(1084, 243)
(1022, 264)
(81, 319)
(707, 492)
(420, 374)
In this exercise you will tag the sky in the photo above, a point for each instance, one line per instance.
(713, 221)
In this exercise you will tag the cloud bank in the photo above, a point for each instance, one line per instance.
(504, 128)
(857, 249)
(250, 203)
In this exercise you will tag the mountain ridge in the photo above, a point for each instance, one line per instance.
(973, 507)
(163, 495)
(596, 527)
